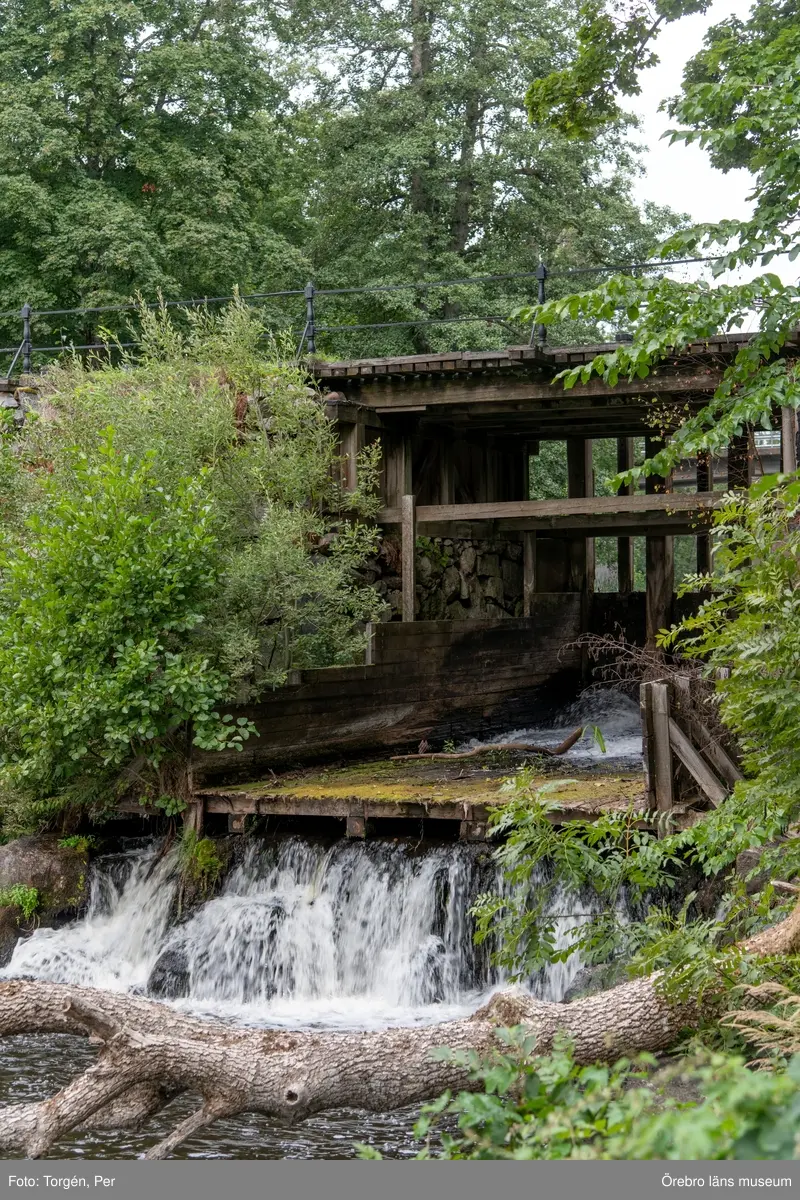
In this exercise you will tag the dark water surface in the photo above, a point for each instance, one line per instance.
(32, 1069)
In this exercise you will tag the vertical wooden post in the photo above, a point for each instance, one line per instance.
(625, 571)
(705, 483)
(740, 462)
(352, 441)
(788, 440)
(580, 482)
(396, 468)
(446, 488)
(194, 816)
(660, 568)
(659, 559)
(528, 573)
(648, 744)
(663, 751)
(408, 509)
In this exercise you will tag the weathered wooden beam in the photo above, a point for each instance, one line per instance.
(625, 567)
(662, 754)
(352, 439)
(704, 740)
(705, 483)
(408, 512)
(740, 461)
(580, 484)
(396, 452)
(563, 514)
(659, 585)
(648, 744)
(528, 572)
(697, 768)
(511, 388)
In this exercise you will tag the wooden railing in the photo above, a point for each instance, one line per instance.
(681, 754)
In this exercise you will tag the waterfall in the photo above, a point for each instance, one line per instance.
(117, 943)
(354, 934)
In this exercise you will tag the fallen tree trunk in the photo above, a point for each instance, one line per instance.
(151, 1053)
(477, 751)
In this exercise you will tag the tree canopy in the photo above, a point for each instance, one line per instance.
(195, 147)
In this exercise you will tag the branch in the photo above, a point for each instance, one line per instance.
(526, 747)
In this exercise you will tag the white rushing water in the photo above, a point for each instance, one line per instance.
(615, 715)
(353, 935)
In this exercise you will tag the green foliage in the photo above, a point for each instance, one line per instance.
(547, 1106)
(95, 609)
(26, 899)
(741, 101)
(138, 149)
(171, 806)
(79, 842)
(599, 864)
(608, 855)
(750, 626)
(198, 859)
(614, 43)
(184, 543)
(421, 164)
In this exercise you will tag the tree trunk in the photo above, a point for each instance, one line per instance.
(151, 1053)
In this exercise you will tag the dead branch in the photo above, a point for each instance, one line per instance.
(516, 747)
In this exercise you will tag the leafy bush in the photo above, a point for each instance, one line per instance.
(747, 633)
(549, 1107)
(178, 540)
(26, 899)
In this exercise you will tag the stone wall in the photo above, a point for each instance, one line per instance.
(457, 579)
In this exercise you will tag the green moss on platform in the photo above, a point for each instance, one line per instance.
(444, 783)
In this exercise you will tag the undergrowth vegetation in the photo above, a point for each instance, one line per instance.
(174, 536)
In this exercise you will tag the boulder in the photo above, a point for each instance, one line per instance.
(169, 978)
(488, 565)
(451, 585)
(57, 872)
(9, 932)
(467, 560)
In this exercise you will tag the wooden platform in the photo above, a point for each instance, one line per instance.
(366, 797)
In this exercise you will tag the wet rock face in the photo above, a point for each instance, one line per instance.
(457, 578)
(169, 978)
(9, 932)
(59, 873)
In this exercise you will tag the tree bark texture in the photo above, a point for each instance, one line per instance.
(151, 1053)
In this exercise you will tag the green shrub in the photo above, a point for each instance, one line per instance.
(199, 861)
(26, 899)
(177, 541)
(531, 1106)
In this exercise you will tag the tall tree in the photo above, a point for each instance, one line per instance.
(426, 166)
(137, 151)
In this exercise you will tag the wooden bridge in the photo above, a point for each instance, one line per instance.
(459, 431)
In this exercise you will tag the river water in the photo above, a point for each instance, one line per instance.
(304, 934)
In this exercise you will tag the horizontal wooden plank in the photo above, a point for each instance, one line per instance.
(574, 513)
(456, 390)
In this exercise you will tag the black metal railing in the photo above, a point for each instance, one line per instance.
(23, 353)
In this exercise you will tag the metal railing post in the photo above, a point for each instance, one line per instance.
(539, 332)
(27, 347)
(309, 293)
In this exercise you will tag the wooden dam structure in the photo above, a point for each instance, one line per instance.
(487, 590)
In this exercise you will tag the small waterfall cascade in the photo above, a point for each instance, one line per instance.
(116, 944)
(349, 935)
(615, 714)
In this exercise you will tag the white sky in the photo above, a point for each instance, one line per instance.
(682, 176)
